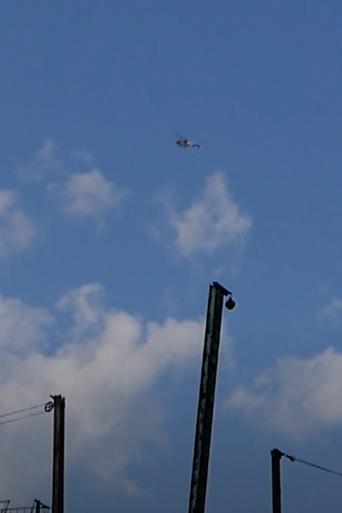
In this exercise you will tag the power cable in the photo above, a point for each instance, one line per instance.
(15, 412)
(310, 464)
(48, 406)
(10, 421)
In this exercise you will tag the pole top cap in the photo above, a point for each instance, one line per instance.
(220, 287)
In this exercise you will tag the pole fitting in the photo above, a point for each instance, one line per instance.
(220, 287)
(276, 453)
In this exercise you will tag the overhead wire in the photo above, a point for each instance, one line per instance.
(310, 464)
(15, 412)
(10, 421)
(46, 405)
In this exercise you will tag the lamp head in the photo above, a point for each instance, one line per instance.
(230, 303)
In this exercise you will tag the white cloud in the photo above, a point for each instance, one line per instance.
(23, 328)
(44, 164)
(86, 194)
(90, 195)
(85, 304)
(297, 397)
(211, 221)
(107, 366)
(83, 156)
(17, 230)
(332, 311)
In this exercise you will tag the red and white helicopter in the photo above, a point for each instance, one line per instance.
(185, 143)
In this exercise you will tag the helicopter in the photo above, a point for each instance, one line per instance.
(185, 143)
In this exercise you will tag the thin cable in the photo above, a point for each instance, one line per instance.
(314, 465)
(22, 418)
(22, 410)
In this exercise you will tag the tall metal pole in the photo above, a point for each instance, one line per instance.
(58, 454)
(206, 397)
(276, 480)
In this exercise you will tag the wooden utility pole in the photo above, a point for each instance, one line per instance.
(205, 409)
(58, 454)
(276, 456)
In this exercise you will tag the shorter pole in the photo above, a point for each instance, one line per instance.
(276, 480)
(58, 455)
(39, 506)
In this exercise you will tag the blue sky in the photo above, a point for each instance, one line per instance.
(110, 236)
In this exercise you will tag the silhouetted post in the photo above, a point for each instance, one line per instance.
(276, 482)
(58, 455)
(206, 397)
(39, 506)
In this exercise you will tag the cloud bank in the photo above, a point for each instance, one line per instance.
(332, 311)
(210, 222)
(90, 195)
(17, 230)
(107, 365)
(44, 163)
(298, 397)
(85, 194)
